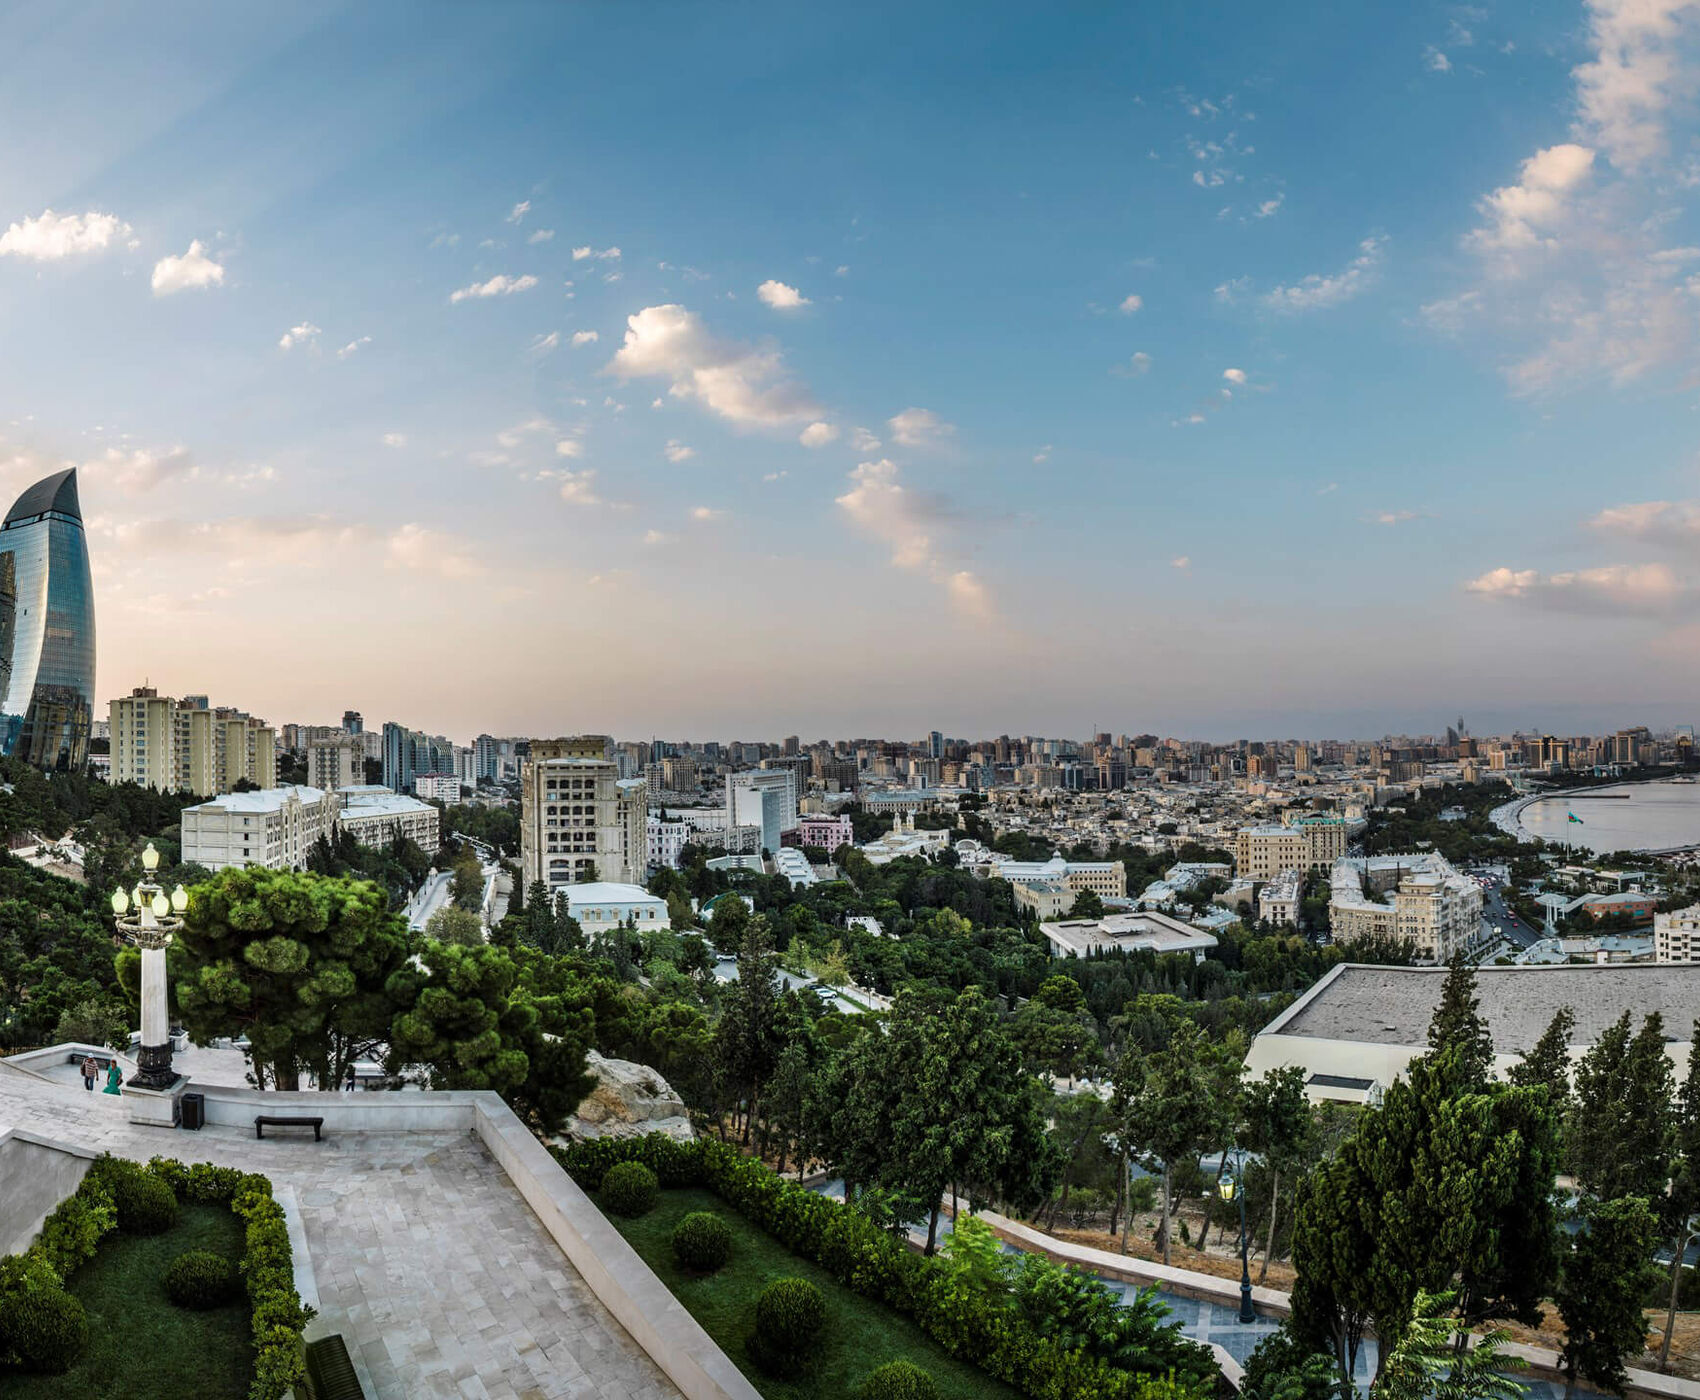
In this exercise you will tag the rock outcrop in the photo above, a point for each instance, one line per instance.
(629, 1100)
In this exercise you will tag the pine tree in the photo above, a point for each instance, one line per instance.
(1684, 1201)
(1458, 1024)
(1547, 1063)
(1599, 1297)
(1622, 1130)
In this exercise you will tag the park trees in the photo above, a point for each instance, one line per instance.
(1607, 1268)
(1620, 1134)
(746, 1039)
(298, 963)
(1276, 1124)
(452, 924)
(1547, 1063)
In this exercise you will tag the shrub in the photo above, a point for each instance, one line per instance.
(46, 1328)
(898, 1380)
(629, 1188)
(200, 1279)
(702, 1242)
(145, 1204)
(789, 1317)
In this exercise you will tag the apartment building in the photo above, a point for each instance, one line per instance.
(578, 815)
(375, 816)
(1263, 852)
(188, 745)
(274, 827)
(1676, 936)
(334, 764)
(1417, 899)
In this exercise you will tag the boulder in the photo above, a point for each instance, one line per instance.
(629, 1100)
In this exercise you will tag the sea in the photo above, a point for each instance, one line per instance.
(1629, 817)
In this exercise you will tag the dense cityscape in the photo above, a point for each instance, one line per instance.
(849, 703)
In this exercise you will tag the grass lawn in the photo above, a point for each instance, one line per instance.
(141, 1345)
(860, 1333)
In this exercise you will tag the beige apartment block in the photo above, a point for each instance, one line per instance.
(1263, 852)
(1676, 936)
(577, 815)
(182, 746)
(1417, 899)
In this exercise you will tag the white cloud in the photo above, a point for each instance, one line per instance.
(584, 338)
(707, 514)
(657, 537)
(305, 334)
(543, 344)
(1659, 522)
(677, 451)
(1436, 62)
(512, 437)
(1234, 376)
(579, 488)
(1524, 215)
(864, 441)
(1611, 590)
(1270, 207)
(420, 548)
(602, 254)
(519, 211)
(1042, 456)
(137, 471)
(742, 383)
(775, 476)
(1130, 303)
(842, 270)
(919, 427)
(818, 434)
(542, 235)
(1637, 71)
(1319, 291)
(49, 236)
(906, 522)
(395, 439)
(1181, 561)
(190, 272)
(1394, 517)
(569, 447)
(1329, 489)
(780, 297)
(353, 346)
(501, 285)
(1138, 363)
(1229, 292)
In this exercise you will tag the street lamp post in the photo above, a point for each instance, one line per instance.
(148, 918)
(1233, 1187)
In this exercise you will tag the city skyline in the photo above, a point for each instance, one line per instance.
(1216, 384)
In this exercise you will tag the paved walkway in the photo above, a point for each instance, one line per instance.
(426, 1259)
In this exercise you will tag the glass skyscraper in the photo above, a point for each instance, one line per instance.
(46, 627)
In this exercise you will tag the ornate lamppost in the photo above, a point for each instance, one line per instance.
(149, 919)
(1232, 1187)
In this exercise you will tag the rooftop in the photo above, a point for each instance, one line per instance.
(57, 492)
(607, 892)
(260, 800)
(1394, 1005)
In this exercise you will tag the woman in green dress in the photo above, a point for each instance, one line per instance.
(114, 1078)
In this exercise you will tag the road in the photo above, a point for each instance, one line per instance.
(431, 897)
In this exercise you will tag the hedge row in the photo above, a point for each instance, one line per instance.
(865, 1258)
(72, 1234)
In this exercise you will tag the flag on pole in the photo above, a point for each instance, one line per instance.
(1578, 820)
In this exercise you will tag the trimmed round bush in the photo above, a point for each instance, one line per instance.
(629, 1188)
(200, 1279)
(47, 1328)
(702, 1242)
(789, 1317)
(145, 1204)
(898, 1380)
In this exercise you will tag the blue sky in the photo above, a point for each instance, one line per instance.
(735, 369)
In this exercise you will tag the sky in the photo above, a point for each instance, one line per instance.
(735, 370)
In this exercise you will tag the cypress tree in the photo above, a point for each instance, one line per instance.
(1546, 1065)
(1458, 1025)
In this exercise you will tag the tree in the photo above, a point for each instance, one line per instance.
(1684, 1202)
(1621, 1132)
(746, 1040)
(1333, 1249)
(1458, 1024)
(1170, 1110)
(298, 963)
(1547, 1062)
(452, 924)
(1430, 1363)
(1277, 1126)
(1606, 1274)
(92, 1021)
(468, 886)
(1087, 905)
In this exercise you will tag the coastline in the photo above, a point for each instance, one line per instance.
(1508, 817)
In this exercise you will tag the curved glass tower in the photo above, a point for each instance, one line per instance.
(46, 627)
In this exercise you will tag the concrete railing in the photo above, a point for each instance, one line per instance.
(36, 1174)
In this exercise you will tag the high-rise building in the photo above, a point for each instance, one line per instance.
(577, 815)
(333, 764)
(765, 798)
(46, 627)
(351, 722)
(185, 746)
(410, 752)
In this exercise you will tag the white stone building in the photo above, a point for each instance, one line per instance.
(375, 816)
(1417, 899)
(1676, 936)
(577, 815)
(274, 827)
(602, 905)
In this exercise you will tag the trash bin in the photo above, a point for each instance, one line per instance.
(194, 1110)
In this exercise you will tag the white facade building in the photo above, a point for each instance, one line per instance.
(1676, 936)
(1416, 899)
(602, 905)
(437, 787)
(273, 827)
(667, 838)
(1278, 901)
(765, 798)
(577, 815)
(375, 816)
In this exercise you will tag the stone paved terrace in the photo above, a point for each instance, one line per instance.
(425, 1257)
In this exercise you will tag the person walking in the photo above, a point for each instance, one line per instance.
(348, 1081)
(114, 1080)
(90, 1070)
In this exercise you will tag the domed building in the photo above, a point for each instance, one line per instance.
(46, 627)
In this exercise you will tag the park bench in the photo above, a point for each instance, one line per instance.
(330, 1374)
(276, 1120)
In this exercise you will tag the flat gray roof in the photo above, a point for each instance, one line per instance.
(1394, 1005)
